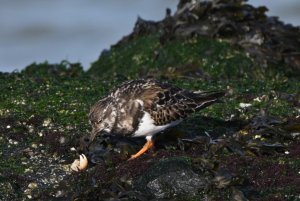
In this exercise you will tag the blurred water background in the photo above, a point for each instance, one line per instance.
(77, 30)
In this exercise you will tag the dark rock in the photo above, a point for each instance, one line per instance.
(176, 183)
(238, 195)
(265, 121)
(266, 39)
(8, 191)
(171, 178)
(222, 179)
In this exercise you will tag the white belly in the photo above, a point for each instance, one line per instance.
(147, 127)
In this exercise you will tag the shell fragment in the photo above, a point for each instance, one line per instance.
(81, 164)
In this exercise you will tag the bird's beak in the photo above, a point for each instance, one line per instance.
(93, 135)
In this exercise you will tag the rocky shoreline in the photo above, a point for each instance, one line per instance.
(246, 148)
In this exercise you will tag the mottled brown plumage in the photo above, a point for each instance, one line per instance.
(146, 107)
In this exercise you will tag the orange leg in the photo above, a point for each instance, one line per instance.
(147, 146)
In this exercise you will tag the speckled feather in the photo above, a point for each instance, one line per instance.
(141, 102)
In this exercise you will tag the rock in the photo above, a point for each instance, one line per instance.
(171, 178)
(8, 192)
(176, 183)
(238, 195)
(266, 39)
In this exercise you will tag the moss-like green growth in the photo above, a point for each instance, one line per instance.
(48, 104)
(63, 97)
(145, 54)
(203, 64)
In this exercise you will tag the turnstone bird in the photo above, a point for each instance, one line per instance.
(144, 108)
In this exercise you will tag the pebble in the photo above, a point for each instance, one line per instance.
(32, 185)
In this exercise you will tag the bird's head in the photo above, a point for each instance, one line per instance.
(102, 117)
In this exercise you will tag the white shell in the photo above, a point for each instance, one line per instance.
(81, 164)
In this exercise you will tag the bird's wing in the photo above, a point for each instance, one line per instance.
(167, 103)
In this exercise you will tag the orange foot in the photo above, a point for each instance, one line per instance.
(147, 146)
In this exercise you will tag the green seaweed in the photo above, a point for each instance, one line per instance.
(55, 98)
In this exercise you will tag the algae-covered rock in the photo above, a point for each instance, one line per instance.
(8, 191)
(171, 178)
(176, 184)
(246, 147)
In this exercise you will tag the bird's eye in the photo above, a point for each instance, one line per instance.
(99, 121)
(105, 124)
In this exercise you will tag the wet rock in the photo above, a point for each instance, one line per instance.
(176, 183)
(222, 179)
(8, 192)
(265, 121)
(266, 39)
(238, 195)
(171, 178)
(105, 148)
